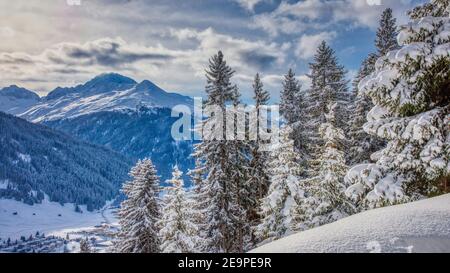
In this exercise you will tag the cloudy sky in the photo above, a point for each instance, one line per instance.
(50, 43)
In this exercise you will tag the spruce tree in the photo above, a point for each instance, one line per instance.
(386, 39)
(258, 182)
(198, 199)
(139, 213)
(84, 246)
(292, 107)
(177, 232)
(216, 165)
(283, 190)
(243, 203)
(325, 200)
(362, 145)
(410, 91)
(328, 86)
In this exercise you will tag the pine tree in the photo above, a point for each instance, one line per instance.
(284, 188)
(410, 91)
(259, 178)
(387, 33)
(291, 108)
(216, 165)
(140, 212)
(362, 145)
(325, 200)
(178, 234)
(84, 246)
(328, 86)
(240, 172)
(258, 182)
(198, 198)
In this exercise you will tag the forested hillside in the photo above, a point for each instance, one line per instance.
(137, 134)
(36, 160)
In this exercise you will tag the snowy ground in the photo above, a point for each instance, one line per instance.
(49, 218)
(422, 226)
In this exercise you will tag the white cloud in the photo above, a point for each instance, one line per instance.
(311, 9)
(295, 18)
(307, 44)
(179, 70)
(65, 63)
(244, 55)
(248, 4)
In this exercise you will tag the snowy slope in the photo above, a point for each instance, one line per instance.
(15, 100)
(48, 218)
(106, 92)
(422, 226)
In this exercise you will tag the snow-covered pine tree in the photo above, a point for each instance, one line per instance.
(291, 108)
(410, 90)
(240, 150)
(258, 182)
(84, 246)
(328, 86)
(284, 188)
(216, 165)
(139, 213)
(386, 39)
(325, 200)
(259, 179)
(177, 232)
(199, 202)
(361, 145)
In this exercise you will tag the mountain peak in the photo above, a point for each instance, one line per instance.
(147, 85)
(112, 78)
(100, 84)
(18, 92)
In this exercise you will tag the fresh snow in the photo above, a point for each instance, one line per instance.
(24, 157)
(422, 226)
(45, 218)
(102, 94)
(4, 184)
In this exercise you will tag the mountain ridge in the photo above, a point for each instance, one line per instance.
(106, 92)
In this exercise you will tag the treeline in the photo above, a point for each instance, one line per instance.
(340, 151)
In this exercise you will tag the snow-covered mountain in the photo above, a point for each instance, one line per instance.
(116, 111)
(106, 92)
(36, 160)
(421, 226)
(16, 100)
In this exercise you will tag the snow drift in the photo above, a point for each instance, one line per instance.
(422, 226)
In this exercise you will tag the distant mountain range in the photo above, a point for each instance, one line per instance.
(106, 92)
(36, 160)
(114, 111)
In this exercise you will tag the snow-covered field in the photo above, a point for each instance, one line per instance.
(49, 217)
(422, 226)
